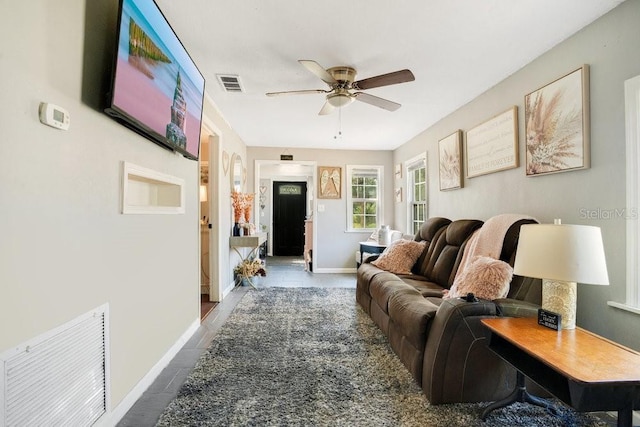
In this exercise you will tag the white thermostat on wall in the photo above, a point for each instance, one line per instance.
(54, 116)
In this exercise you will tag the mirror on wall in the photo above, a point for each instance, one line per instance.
(237, 173)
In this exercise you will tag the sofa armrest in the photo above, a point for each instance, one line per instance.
(508, 307)
(456, 357)
(370, 258)
(455, 335)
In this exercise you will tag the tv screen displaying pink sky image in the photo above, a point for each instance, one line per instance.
(156, 84)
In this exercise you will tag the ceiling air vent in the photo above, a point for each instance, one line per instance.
(230, 82)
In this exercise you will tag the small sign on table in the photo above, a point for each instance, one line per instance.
(549, 319)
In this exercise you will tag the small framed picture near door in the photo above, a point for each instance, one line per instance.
(329, 182)
(450, 161)
(557, 125)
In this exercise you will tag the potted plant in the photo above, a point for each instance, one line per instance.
(249, 268)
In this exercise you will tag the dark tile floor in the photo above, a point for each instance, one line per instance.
(281, 272)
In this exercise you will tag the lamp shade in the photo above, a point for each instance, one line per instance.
(203, 193)
(572, 253)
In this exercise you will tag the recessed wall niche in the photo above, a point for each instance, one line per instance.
(145, 191)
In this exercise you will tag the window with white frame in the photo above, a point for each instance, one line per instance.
(364, 197)
(416, 192)
(632, 113)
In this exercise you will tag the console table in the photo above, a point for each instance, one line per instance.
(584, 370)
(254, 242)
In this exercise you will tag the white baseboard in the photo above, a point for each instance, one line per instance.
(635, 419)
(228, 289)
(130, 399)
(334, 270)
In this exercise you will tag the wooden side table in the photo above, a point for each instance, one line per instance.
(584, 370)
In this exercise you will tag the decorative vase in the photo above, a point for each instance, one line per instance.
(236, 229)
(384, 235)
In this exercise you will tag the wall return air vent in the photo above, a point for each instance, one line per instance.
(59, 378)
(230, 82)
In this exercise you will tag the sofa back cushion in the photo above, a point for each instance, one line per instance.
(522, 288)
(443, 257)
(510, 242)
(429, 232)
(430, 228)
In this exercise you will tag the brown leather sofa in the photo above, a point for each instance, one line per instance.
(441, 341)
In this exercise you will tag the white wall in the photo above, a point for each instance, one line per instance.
(335, 247)
(221, 217)
(610, 47)
(65, 248)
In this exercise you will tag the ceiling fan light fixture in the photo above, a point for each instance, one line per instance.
(339, 100)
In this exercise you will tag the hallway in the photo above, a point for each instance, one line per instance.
(281, 272)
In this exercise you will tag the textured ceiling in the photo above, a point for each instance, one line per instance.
(457, 49)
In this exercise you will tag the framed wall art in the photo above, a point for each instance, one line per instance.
(225, 162)
(492, 146)
(398, 170)
(398, 194)
(329, 182)
(557, 125)
(204, 172)
(450, 161)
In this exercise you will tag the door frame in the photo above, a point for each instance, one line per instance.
(290, 170)
(215, 259)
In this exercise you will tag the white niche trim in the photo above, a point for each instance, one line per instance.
(145, 191)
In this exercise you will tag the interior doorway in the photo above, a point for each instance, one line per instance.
(269, 171)
(289, 214)
(209, 207)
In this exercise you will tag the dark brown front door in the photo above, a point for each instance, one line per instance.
(289, 213)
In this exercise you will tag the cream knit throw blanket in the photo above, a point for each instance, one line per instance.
(487, 240)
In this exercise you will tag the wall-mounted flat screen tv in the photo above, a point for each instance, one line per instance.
(156, 88)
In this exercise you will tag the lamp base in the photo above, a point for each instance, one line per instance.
(561, 297)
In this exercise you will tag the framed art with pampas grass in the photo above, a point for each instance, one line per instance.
(450, 161)
(557, 125)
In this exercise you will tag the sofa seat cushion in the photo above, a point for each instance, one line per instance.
(412, 314)
(382, 290)
(424, 286)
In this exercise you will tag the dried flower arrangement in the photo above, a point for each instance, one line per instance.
(248, 205)
(242, 204)
(238, 203)
(249, 268)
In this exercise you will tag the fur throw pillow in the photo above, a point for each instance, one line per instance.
(485, 277)
(400, 256)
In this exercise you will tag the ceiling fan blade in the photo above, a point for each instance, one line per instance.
(377, 101)
(396, 77)
(297, 92)
(326, 109)
(317, 69)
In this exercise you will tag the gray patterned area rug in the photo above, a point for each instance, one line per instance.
(312, 357)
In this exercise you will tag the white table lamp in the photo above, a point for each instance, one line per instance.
(561, 255)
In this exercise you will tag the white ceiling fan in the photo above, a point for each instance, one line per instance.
(343, 89)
